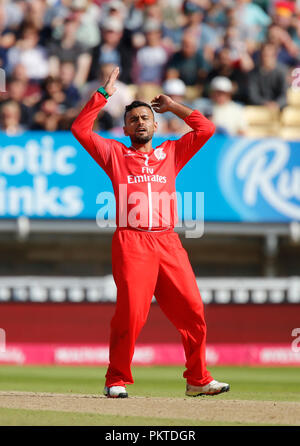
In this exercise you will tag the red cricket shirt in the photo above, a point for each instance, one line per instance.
(143, 183)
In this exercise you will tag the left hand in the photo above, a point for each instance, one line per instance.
(161, 103)
(110, 83)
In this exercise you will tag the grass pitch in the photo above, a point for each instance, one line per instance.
(160, 385)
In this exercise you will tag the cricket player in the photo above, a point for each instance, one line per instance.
(147, 256)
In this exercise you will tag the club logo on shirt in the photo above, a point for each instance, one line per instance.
(159, 153)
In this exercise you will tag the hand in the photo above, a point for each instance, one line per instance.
(110, 83)
(161, 103)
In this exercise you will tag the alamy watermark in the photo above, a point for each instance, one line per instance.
(296, 342)
(2, 81)
(2, 340)
(152, 210)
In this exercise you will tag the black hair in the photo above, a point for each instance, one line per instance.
(136, 104)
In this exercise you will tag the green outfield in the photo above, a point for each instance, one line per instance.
(264, 388)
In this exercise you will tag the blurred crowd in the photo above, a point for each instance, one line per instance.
(216, 56)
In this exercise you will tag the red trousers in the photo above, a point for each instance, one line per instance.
(146, 264)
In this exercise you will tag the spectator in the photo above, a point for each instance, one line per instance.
(134, 17)
(252, 20)
(86, 13)
(191, 19)
(67, 75)
(113, 49)
(206, 36)
(114, 9)
(268, 81)
(151, 59)
(168, 122)
(7, 29)
(104, 122)
(282, 14)
(28, 52)
(35, 13)
(69, 50)
(188, 64)
(176, 89)
(154, 12)
(53, 89)
(239, 54)
(16, 90)
(190, 41)
(227, 115)
(173, 20)
(56, 14)
(288, 52)
(33, 92)
(88, 16)
(10, 118)
(216, 16)
(11, 15)
(66, 94)
(235, 70)
(295, 30)
(47, 117)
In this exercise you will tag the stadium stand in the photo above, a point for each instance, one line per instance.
(293, 97)
(262, 121)
(261, 115)
(290, 116)
(67, 39)
(289, 133)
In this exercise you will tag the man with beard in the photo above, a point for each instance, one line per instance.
(147, 256)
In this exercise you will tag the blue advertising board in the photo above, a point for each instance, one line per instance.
(50, 175)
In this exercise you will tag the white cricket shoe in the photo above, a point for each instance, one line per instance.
(115, 392)
(212, 388)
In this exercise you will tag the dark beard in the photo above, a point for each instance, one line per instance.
(141, 139)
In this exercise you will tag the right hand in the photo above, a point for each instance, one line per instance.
(161, 103)
(110, 83)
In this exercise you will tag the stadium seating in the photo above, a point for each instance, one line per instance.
(290, 123)
(290, 133)
(260, 115)
(290, 116)
(262, 121)
(262, 131)
(293, 97)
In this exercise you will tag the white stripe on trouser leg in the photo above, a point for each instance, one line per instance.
(150, 206)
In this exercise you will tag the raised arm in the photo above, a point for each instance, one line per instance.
(82, 128)
(190, 143)
(163, 103)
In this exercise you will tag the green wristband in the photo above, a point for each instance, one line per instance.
(104, 92)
